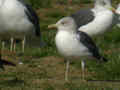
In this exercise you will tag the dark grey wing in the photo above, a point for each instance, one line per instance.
(88, 42)
(32, 16)
(83, 16)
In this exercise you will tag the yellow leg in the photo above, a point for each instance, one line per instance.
(67, 70)
(14, 46)
(23, 44)
(83, 69)
(3, 45)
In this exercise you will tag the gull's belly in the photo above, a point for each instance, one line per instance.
(69, 45)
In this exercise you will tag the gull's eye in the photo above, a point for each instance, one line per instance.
(65, 22)
(104, 3)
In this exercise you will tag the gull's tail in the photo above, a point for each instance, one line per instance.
(104, 59)
(3, 62)
(101, 58)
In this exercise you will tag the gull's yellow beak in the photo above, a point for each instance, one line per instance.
(52, 26)
(112, 9)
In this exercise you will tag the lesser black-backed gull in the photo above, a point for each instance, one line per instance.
(74, 44)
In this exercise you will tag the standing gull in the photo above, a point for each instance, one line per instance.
(18, 20)
(95, 20)
(74, 44)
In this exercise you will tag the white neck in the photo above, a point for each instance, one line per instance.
(70, 31)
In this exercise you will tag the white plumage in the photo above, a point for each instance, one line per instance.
(17, 20)
(68, 44)
(13, 19)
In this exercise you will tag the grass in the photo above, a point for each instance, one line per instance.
(43, 68)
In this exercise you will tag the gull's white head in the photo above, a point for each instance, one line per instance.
(66, 23)
(102, 4)
(107, 3)
(99, 3)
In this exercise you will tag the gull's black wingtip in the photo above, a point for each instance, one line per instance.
(8, 63)
(3, 62)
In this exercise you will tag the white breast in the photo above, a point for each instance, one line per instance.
(68, 45)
